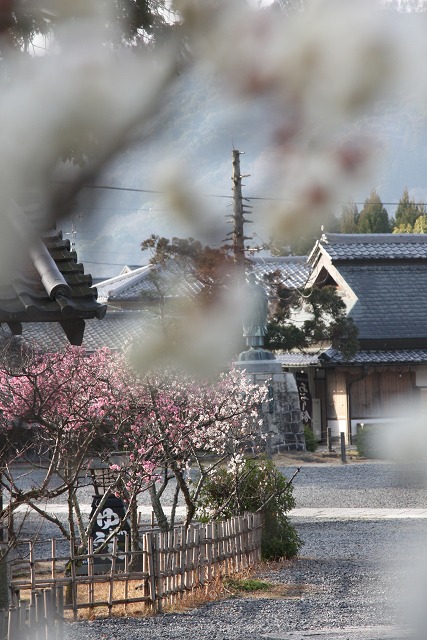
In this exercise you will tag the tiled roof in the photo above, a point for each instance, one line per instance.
(116, 331)
(146, 282)
(391, 299)
(298, 359)
(114, 286)
(390, 357)
(371, 357)
(141, 283)
(49, 286)
(387, 246)
(293, 271)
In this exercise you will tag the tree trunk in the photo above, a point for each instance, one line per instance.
(161, 518)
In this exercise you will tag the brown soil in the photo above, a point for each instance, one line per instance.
(301, 458)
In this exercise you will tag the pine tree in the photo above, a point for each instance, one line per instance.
(407, 211)
(349, 218)
(420, 225)
(374, 216)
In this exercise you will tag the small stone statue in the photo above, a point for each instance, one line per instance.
(254, 313)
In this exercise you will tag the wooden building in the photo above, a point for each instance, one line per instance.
(382, 279)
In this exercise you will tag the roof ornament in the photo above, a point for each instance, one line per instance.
(52, 279)
(323, 237)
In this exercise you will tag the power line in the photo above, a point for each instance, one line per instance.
(107, 264)
(216, 195)
(111, 188)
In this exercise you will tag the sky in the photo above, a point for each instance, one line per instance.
(198, 131)
(119, 220)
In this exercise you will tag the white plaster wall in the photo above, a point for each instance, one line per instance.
(337, 426)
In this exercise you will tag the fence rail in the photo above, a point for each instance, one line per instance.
(167, 566)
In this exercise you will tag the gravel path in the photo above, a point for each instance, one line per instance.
(353, 576)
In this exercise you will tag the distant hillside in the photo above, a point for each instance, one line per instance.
(198, 129)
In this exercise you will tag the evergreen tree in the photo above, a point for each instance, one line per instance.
(407, 211)
(420, 225)
(374, 216)
(403, 228)
(349, 218)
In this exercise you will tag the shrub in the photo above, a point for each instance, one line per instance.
(311, 443)
(254, 485)
(368, 441)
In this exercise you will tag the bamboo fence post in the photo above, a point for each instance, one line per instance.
(145, 567)
(190, 541)
(48, 621)
(248, 539)
(202, 555)
(23, 627)
(233, 545)
(177, 567)
(126, 570)
(39, 615)
(168, 564)
(220, 528)
(112, 576)
(32, 617)
(249, 519)
(227, 548)
(195, 556)
(209, 527)
(181, 562)
(215, 548)
(60, 611)
(12, 627)
(254, 535)
(245, 542)
(54, 610)
(90, 572)
(150, 542)
(32, 566)
(187, 557)
(172, 563)
(159, 537)
(192, 556)
(53, 565)
(239, 544)
(73, 579)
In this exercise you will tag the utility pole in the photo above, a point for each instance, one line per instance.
(238, 218)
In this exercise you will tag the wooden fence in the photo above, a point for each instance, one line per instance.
(167, 566)
(40, 618)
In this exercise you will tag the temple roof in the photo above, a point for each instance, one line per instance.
(49, 286)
